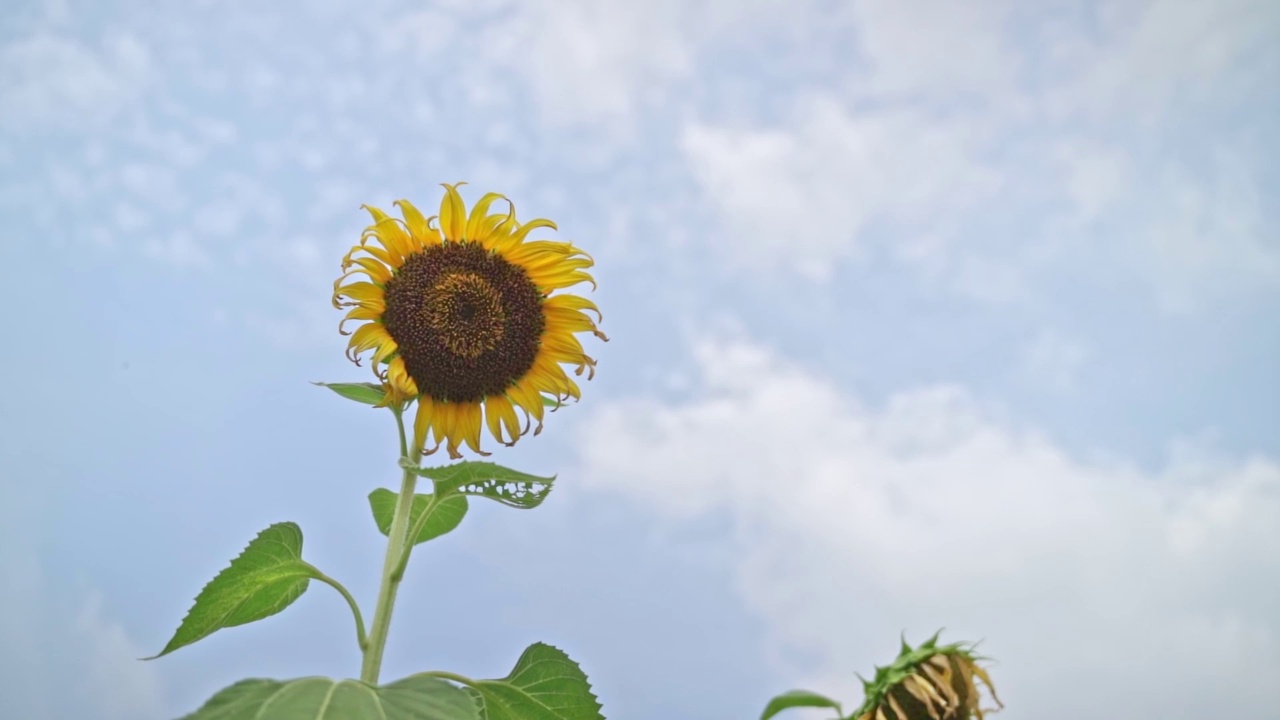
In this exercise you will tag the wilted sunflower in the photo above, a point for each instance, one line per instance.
(461, 318)
(926, 683)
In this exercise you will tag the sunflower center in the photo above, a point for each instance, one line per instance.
(466, 313)
(468, 321)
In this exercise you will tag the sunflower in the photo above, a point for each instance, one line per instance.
(926, 683)
(461, 318)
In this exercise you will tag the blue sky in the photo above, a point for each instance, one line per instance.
(922, 314)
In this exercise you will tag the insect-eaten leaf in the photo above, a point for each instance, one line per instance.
(265, 579)
(798, 699)
(442, 516)
(367, 393)
(544, 685)
(490, 480)
(318, 698)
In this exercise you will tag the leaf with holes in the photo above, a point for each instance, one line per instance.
(317, 698)
(265, 579)
(544, 685)
(798, 699)
(443, 516)
(486, 479)
(367, 393)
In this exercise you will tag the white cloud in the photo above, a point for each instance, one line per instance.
(46, 79)
(591, 63)
(1206, 234)
(801, 196)
(957, 143)
(1053, 361)
(114, 682)
(1097, 586)
(177, 249)
(585, 63)
(1095, 175)
(1140, 57)
(934, 49)
(60, 661)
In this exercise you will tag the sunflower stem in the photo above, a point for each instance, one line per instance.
(398, 547)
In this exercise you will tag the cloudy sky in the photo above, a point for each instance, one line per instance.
(923, 314)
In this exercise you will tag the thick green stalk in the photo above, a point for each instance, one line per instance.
(398, 546)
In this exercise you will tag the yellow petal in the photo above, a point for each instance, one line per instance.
(416, 223)
(527, 396)
(393, 236)
(519, 235)
(573, 302)
(488, 232)
(358, 313)
(897, 709)
(986, 680)
(378, 272)
(557, 280)
(378, 252)
(478, 213)
(422, 422)
(389, 232)
(925, 693)
(442, 425)
(398, 376)
(499, 413)
(371, 335)
(562, 346)
(453, 213)
(941, 685)
(358, 291)
(468, 426)
(543, 248)
(572, 321)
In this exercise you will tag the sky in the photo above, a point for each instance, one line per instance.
(922, 315)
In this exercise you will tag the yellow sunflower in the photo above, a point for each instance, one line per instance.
(461, 318)
(930, 682)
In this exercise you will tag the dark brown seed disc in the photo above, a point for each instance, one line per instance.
(468, 322)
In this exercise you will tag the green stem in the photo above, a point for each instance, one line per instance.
(398, 572)
(398, 547)
(361, 638)
(460, 679)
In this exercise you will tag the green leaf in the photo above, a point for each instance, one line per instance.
(551, 402)
(443, 516)
(265, 579)
(544, 685)
(486, 479)
(796, 699)
(414, 698)
(367, 393)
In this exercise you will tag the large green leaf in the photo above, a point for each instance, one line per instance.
(798, 699)
(544, 685)
(414, 698)
(486, 479)
(441, 518)
(367, 393)
(265, 579)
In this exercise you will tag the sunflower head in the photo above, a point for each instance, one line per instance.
(930, 682)
(460, 315)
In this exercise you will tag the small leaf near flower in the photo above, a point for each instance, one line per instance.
(509, 487)
(544, 685)
(318, 698)
(265, 579)
(367, 393)
(443, 516)
(798, 699)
